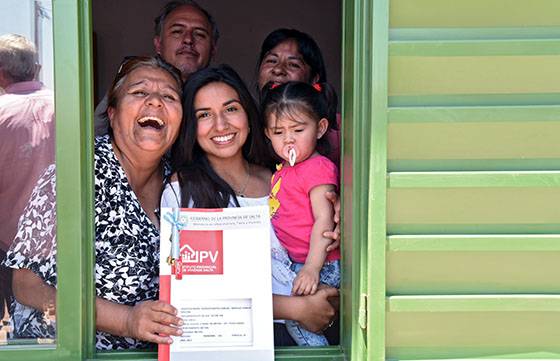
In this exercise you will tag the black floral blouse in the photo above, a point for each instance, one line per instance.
(126, 243)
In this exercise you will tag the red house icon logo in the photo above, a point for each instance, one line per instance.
(202, 252)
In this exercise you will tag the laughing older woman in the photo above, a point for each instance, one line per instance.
(145, 115)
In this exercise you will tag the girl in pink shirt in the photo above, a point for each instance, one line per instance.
(297, 116)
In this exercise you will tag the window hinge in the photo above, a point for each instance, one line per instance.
(362, 311)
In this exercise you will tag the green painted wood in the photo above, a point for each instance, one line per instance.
(493, 354)
(332, 353)
(498, 140)
(476, 206)
(424, 75)
(449, 165)
(474, 138)
(32, 353)
(474, 270)
(475, 47)
(489, 33)
(500, 179)
(474, 243)
(356, 170)
(74, 156)
(480, 114)
(474, 99)
(356, 114)
(473, 13)
(422, 335)
(473, 228)
(72, 62)
(324, 354)
(124, 355)
(351, 343)
(532, 356)
(474, 303)
(473, 246)
(377, 195)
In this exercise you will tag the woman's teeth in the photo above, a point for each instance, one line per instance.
(150, 121)
(223, 138)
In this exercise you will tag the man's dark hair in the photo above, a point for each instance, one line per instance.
(172, 5)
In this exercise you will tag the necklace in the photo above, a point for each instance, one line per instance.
(241, 192)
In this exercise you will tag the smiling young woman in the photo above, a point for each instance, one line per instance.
(222, 122)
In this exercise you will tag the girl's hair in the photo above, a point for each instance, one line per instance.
(317, 101)
(197, 179)
(307, 47)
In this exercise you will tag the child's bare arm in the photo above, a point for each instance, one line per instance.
(307, 279)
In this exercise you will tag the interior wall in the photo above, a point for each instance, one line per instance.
(125, 27)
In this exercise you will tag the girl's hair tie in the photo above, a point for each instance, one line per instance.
(317, 87)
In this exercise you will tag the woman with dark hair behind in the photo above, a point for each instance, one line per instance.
(292, 55)
(221, 160)
(307, 66)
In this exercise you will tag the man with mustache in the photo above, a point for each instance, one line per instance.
(185, 36)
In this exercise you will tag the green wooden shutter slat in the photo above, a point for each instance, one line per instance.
(474, 303)
(475, 47)
(487, 179)
(474, 243)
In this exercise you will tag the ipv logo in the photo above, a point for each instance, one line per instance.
(202, 252)
(190, 255)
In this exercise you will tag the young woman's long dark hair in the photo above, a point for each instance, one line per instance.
(198, 181)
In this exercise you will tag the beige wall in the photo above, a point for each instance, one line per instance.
(125, 27)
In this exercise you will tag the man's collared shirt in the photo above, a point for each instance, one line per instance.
(26, 149)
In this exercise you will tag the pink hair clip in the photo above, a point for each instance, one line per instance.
(317, 87)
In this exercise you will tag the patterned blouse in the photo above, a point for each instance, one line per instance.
(126, 243)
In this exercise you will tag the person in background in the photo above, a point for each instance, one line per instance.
(186, 37)
(26, 140)
(292, 55)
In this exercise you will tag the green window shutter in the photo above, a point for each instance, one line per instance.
(473, 180)
(72, 58)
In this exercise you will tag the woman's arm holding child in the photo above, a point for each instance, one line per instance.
(307, 279)
(313, 312)
(333, 235)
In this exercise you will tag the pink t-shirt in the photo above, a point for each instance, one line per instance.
(290, 204)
